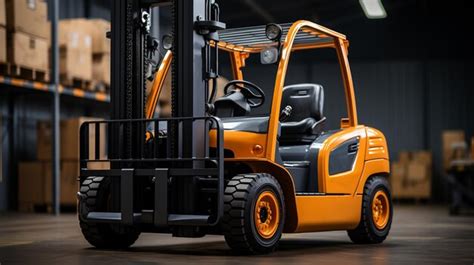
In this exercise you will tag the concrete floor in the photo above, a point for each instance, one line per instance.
(420, 235)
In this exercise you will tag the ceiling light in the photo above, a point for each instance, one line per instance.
(373, 9)
(273, 31)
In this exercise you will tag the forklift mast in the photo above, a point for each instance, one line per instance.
(195, 25)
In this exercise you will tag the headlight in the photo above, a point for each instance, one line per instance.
(273, 31)
(269, 55)
(167, 42)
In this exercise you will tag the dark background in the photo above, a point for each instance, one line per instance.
(411, 72)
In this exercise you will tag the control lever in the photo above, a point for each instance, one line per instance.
(152, 47)
(285, 113)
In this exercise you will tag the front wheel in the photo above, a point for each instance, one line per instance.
(96, 197)
(254, 213)
(376, 215)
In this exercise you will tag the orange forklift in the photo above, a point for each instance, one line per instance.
(219, 166)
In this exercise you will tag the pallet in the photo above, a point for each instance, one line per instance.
(74, 82)
(22, 72)
(99, 86)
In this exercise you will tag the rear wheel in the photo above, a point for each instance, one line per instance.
(376, 215)
(95, 193)
(254, 213)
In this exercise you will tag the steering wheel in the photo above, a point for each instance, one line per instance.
(246, 88)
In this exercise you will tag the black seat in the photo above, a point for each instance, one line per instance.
(306, 119)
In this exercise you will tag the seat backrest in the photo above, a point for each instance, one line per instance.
(306, 101)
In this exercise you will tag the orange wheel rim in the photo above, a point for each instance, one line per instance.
(267, 214)
(380, 209)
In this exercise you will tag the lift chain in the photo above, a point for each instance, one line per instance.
(129, 78)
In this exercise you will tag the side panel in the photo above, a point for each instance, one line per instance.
(372, 167)
(342, 158)
(324, 213)
(342, 182)
(242, 144)
(376, 158)
(376, 145)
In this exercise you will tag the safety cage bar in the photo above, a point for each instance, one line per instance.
(155, 160)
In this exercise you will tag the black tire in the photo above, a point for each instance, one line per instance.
(241, 194)
(367, 232)
(95, 192)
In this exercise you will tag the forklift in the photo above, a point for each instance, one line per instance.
(213, 167)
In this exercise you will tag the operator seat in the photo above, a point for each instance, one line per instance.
(306, 120)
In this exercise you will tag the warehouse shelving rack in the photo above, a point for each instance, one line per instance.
(56, 90)
(40, 86)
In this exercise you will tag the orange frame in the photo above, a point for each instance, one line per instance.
(238, 55)
(304, 213)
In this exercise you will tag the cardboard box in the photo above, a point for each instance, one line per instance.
(449, 138)
(3, 45)
(3, 13)
(101, 68)
(397, 178)
(423, 157)
(398, 170)
(75, 34)
(28, 51)
(417, 172)
(28, 16)
(418, 190)
(99, 29)
(75, 52)
(43, 140)
(404, 157)
(35, 183)
(31, 180)
(69, 172)
(411, 176)
(74, 64)
(69, 139)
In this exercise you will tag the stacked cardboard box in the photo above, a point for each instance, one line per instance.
(35, 178)
(3, 33)
(85, 52)
(69, 140)
(35, 183)
(27, 34)
(3, 14)
(3, 45)
(451, 139)
(75, 52)
(101, 53)
(411, 175)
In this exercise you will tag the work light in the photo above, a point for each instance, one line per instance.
(269, 55)
(167, 42)
(273, 31)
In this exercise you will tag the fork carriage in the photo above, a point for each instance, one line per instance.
(156, 168)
